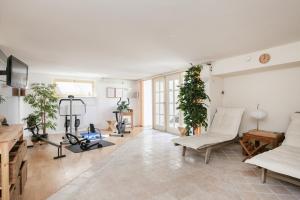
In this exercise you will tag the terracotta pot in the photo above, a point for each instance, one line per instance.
(182, 131)
(197, 131)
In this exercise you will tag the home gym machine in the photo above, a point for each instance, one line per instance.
(73, 139)
(35, 132)
(121, 123)
(69, 122)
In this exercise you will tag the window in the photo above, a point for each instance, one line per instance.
(74, 87)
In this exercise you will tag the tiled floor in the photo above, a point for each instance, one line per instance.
(151, 167)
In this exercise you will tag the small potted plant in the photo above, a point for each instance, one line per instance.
(123, 106)
(32, 120)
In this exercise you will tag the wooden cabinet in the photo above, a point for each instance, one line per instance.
(12, 150)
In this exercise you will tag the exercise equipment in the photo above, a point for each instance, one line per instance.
(69, 122)
(84, 143)
(35, 133)
(77, 149)
(92, 133)
(121, 123)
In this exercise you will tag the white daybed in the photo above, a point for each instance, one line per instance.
(284, 159)
(223, 130)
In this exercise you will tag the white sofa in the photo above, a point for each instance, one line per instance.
(284, 159)
(224, 129)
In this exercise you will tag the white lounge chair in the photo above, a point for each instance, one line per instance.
(223, 130)
(284, 159)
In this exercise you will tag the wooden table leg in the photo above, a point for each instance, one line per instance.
(253, 153)
(5, 171)
(183, 150)
(263, 175)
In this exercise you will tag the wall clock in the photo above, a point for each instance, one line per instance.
(264, 58)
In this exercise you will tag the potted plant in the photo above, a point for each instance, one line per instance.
(123, 106)
(192, 100)
(43, 100)
(32, 120)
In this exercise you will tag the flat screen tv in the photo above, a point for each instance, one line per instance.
(16, 73)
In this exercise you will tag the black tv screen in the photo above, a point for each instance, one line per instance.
(16, 73)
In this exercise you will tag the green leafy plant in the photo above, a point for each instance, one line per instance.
(43, 100)
(2, 99)
(123, 106)
(32, 120)
(192, 99)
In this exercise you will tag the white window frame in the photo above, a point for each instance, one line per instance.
(77, 81)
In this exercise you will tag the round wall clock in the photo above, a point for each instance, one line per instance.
(264, 58)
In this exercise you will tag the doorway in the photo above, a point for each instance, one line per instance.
(173, 116)
(147, 102)
(166, 116)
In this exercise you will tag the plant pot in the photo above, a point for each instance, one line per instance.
(197, 131)
(182, 131)
(34, 138)
(44, 135)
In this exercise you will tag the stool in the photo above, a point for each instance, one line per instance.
(111, 125)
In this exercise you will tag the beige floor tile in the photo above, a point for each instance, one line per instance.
(150, 167)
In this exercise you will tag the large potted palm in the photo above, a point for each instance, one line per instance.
(192, 100)
(43, 100)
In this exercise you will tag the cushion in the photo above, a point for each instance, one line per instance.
(225, 127)
(292, 136)
(227, 121)
(284, 160)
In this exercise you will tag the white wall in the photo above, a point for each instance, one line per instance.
(280, 55)
(275, 85)
(99, 108)
(277, 92)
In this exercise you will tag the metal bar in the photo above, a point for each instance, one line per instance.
(2, 72)
(52, 143)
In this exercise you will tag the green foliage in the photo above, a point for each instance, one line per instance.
(2, 99)
(192, 98)
(32, 120)
(123, 106)
(43, 100)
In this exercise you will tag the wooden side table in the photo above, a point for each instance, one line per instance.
(130, 114)
(256, 141)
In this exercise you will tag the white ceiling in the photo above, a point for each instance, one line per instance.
(139, 38)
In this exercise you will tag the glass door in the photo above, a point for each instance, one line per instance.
(173, 114)
(159, 103)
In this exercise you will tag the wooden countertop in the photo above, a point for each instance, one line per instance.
(9, 133)
(268, 134)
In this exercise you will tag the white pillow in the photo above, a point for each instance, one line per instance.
(295, 116)
(227, 121)
(292, 136)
